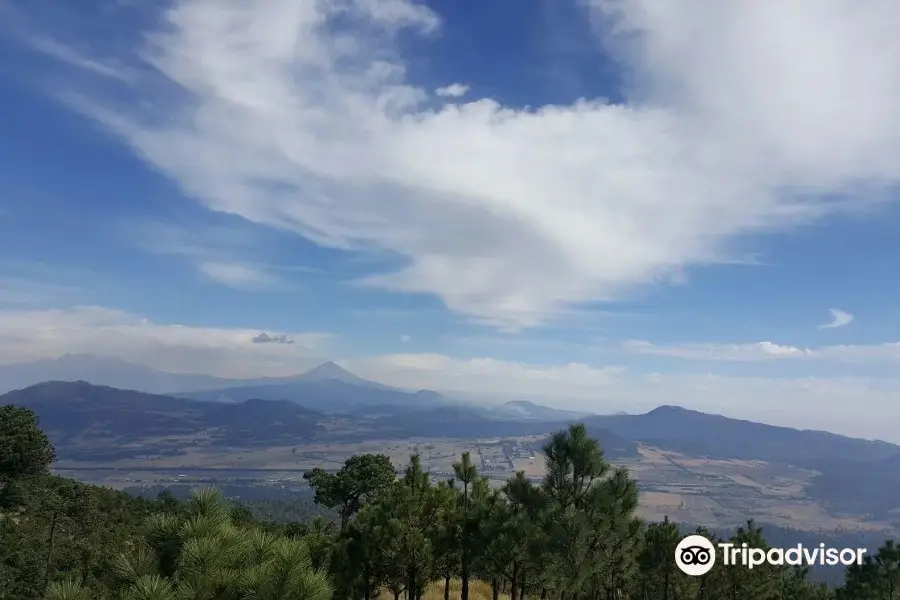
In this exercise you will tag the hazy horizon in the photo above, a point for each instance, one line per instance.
(589, 402)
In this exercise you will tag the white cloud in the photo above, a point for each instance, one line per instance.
(35, 334)
(839, 318)
(767, 351)
(743, 117)
(67, 54)
(405, 338)
(732, 352)
(454, 90)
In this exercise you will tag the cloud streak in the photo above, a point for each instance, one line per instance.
(265, 110)
(67, 54)
(230, 255)
(767, 351)
(23, 291)
(839, 318)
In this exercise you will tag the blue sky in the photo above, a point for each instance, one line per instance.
(604, 203)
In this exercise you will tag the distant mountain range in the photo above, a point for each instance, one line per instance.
(327, 388)
(90, 422)
(329, 391)
(102, 370)
(99, 423)
(80, 410)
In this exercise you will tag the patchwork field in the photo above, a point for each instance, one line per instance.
(716, 493)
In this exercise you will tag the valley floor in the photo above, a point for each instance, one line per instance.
(714, 493)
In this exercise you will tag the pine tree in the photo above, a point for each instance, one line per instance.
(878, 578)
(658, 572)
(203, 555)
(466, 473)
(446, 542)
(362, 478)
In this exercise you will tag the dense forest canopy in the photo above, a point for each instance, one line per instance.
(573, 536)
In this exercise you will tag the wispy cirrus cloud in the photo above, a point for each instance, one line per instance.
(22, 291)
(839, 318)
(33, 284)
(767, 351)
(231, 255)
(68, 54)
(265, 109)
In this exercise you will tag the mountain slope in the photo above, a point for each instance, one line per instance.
(104, 371)
(716, 436)
(90, 422)
(330, 371)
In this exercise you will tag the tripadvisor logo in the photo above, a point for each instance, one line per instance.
(695, 555)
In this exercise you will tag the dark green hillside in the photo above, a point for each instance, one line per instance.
(89, 526)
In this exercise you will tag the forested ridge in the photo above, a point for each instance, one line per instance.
(573, 536)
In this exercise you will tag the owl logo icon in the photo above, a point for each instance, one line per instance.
(695, 555)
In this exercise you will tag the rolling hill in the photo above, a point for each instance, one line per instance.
(326, 387)
(90, 422)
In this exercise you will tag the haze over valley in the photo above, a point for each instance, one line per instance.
(692, 467)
